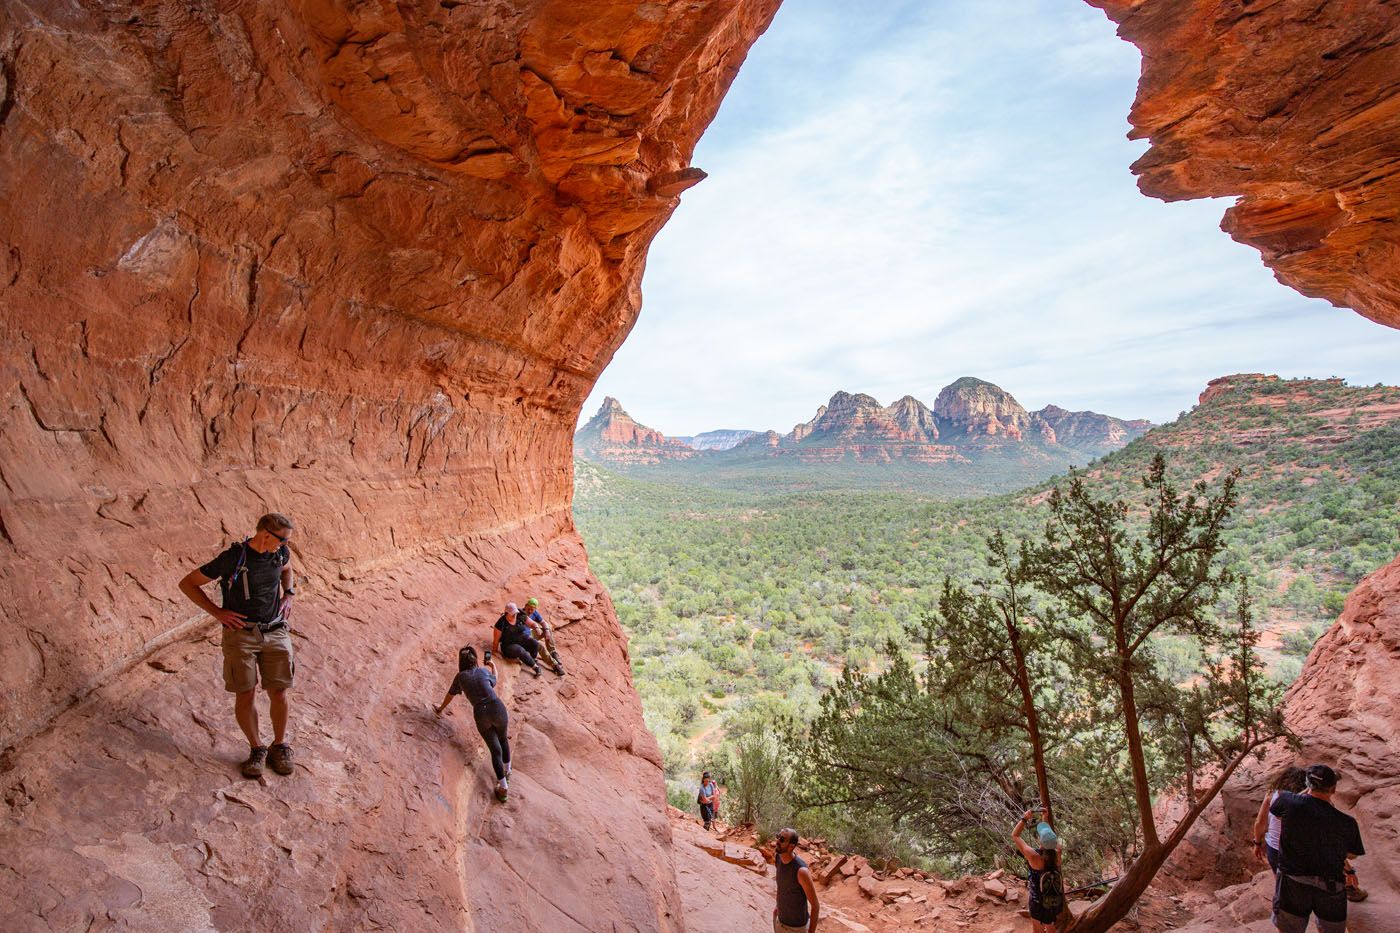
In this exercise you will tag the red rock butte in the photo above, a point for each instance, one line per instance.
(362, 263)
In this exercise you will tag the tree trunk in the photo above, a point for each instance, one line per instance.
(1023, 681)
(1142, 789)
(1114, 905)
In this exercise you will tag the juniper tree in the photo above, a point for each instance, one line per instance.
(1119, 579)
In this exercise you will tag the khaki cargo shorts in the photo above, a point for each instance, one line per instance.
(250, 654)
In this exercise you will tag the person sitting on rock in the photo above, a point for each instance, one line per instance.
(479, 686)
(1315, 842)
(708, 798)
(1047, 892)
(1266, 825)
(255, 578)
(512, 639)
(541, 631)
(796, 892)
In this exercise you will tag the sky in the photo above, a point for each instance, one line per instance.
(903, 193)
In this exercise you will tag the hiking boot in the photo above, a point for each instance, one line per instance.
(558, 668)
(279, 758)
(253, 767)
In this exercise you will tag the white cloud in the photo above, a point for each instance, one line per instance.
(901, 194)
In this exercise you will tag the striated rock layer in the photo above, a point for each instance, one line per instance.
(1293, 106)
(360, 263)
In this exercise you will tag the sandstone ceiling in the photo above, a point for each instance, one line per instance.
(1293, 106)
(362, 262)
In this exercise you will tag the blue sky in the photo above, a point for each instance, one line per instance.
(902, 193)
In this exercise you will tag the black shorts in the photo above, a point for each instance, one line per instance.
(1294, 901)
(1042, 914)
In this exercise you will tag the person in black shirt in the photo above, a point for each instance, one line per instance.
(512, 639)
(479, 685)
(796, 893)
(255, 577)
(1315, 841)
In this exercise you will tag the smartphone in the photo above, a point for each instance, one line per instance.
(487, 655)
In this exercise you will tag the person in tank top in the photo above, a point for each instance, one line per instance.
(1042, 858)
(797, 909)
(1266, 825)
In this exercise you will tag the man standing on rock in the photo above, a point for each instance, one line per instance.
(255, 577)
(795, 889)
(1315, 841)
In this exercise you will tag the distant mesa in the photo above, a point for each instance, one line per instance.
(723, 439)
(612, 436)
(971, 419)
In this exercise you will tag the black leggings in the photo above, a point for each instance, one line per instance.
(525, 651)
(491, 723)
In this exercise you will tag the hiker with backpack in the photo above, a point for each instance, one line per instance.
(708, 798)
(1047, 886)
(255, 579)
(512, 639)
(478, 684)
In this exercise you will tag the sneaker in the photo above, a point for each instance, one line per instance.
(502, 790)
(279, 758)
(253, 767)
(535, 669)
(558, 668)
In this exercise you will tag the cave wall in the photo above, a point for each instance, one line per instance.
(360, 263)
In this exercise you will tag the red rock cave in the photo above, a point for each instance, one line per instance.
(362, 263)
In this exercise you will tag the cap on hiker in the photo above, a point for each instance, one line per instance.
(1321, 777)
(705, 774)
(532, 601)
(1048, 839)
(512, 607)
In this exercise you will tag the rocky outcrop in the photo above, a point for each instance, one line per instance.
(1089, 430)
(969, 417)
(978, 409)
(1292, 107)
(361, 263)
(613, 436)
(857, 427)
(1240, 382)
(1345, 710)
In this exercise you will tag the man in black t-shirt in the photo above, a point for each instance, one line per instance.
(1315, 840)
(255, 577)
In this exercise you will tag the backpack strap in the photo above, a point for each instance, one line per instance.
(241, 569)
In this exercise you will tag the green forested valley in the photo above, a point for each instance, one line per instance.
(744, 605)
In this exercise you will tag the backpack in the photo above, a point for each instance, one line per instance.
(1052, 886)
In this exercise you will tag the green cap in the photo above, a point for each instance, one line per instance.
(532, 601)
